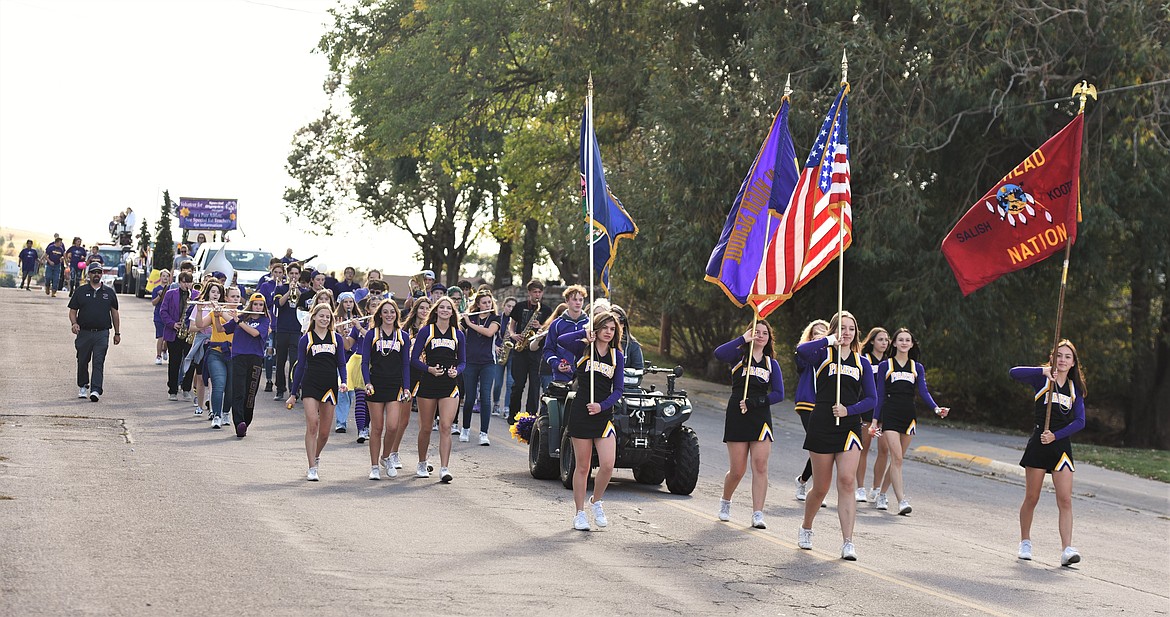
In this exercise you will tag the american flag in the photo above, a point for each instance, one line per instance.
(807, 238)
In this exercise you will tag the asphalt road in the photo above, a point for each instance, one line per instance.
(135, 506)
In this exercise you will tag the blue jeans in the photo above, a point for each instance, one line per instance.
(52, 277)
(218, 367)
(344, 404)
(478, 377)
(502, 381)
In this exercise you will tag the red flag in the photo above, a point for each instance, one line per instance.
(1023, 219)
(809, 234)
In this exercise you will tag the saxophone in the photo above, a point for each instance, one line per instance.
(526, 339)
(185, 332)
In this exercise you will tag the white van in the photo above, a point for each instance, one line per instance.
(250, 263)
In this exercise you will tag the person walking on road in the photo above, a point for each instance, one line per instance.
(249, 336)
(54, 264)
(806, 396)
(439, 353)
(93, 310)
(875, 347)
(600, 377)
(834, 426)
(29, 257)
(1049, 450)
(894, 418)
(320, 364)
(756, 385)
(385, 358)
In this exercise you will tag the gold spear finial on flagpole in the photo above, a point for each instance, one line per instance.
(844, 68)
(1084, 90)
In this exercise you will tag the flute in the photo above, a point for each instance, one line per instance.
(478, 313)
(354, 320)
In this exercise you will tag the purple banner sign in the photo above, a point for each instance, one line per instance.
(207, 214)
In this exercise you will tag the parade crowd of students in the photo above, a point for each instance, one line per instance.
(340, 348)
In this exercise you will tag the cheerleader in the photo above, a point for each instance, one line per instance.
(874, 347)
(439, 353)
(416, 318)
(249, 338)
(1050, 451)
(352, 332)
(806, 396)
(481, 364)
(834, 427)
(320, 364)
(600, 372)
(385, 360)
(894, 418)
(747, 429)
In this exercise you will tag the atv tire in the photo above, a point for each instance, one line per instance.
(540, 463)
(682, 464)
(568, 461)
(650, 473)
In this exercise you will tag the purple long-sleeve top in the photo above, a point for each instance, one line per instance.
(171, 313)
(243, 343)
(574, 343)
(365, 348)
(733, 352)
(806, 381)
(880, 380)
(420, 343)
(816, 352)
(302, 359)
(1037, 377)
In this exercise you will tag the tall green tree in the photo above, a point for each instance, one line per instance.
(164, 248)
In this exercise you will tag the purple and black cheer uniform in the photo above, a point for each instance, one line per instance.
(825, 435)
(604, 375)
(443, 349)
(1068, 417)
(385, 364)
(895, 393)
(320, 363)
(765, 387)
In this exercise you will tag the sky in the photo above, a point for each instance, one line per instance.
(106, 103)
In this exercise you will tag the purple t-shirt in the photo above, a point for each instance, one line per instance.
(154, 293)
(54, 252)
(76, 255)
(28, 259)
(244, 343)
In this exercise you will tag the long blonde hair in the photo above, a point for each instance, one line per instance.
(835, 329)
(312, 323)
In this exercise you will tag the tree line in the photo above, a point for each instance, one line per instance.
(450, 118)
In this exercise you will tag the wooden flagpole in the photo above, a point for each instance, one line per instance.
(1083, 90)
(589, 155)
(840, 259)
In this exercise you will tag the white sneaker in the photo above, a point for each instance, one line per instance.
(166, 356)
(444, 475)
(1069, 556)
(216, 422)
(391, 472)
(804, 539)
(904, 507)
(422, 472)
(94, 396)
(394, 460)
(158, 360)
(580, 522)
(725, 510)
(859, 495)
(464, 435)
(186, 395)
(82, 392)
(312, 475)
(801, 490)
(598, 513)
(483, 439)
(848, 553)
(363, 435)
(872, 495)
(758, 520)
(455, 430)
(1025, 550)
(375, 472)
(170, 397)
(435, 425)
(882, 502)
(198, 409)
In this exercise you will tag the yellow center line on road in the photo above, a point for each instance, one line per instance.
(837, 560)
(822, 556)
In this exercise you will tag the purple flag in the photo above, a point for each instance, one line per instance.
(735, 262)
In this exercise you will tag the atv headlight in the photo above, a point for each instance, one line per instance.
(669, 410)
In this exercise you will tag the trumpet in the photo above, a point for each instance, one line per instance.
(418, 282)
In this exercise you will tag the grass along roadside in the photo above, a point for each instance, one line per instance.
(1150, 464)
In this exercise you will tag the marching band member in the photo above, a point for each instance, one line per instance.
(503, 380)
(747, 428)
(286, 296)
(834, 427)
(439, 353)
(525, 317)
(351, 333)
(174, 315)
(1050, 451)
(217, 358)
(481, 329)
(600, 370)
(806, 396)
(874, 347)
(894, 417)
(249, 337)
(212, 291)
(320, 365)
(385, 359)
(156, 298)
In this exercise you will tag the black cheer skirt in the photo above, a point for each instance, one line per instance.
(1056, 456)
(825, 437)
(432, 387)
(754, 425)
(585, 426)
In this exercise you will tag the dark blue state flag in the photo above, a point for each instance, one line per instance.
(735, 261)
(610, 222)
